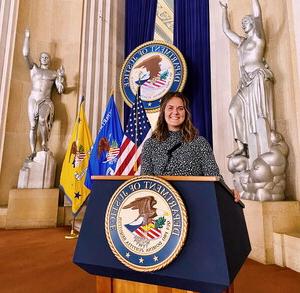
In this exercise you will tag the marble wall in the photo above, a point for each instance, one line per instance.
(87, 37)
(55, 27)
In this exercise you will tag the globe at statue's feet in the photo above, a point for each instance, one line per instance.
(238, 152)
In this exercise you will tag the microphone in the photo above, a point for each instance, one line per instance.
(169, 153)
(173, 149)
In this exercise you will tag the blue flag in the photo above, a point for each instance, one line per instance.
(106, 148)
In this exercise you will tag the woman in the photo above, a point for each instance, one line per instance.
(175, 147)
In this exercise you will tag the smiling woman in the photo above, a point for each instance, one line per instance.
(175, 113)
(175, 147)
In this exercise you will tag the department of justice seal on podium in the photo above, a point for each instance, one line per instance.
(146, 223)
(157, 67)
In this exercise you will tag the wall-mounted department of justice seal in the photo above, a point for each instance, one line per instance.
(158, 67)
(146, 223)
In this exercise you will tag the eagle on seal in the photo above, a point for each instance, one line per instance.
(145, 205)
(152, 65)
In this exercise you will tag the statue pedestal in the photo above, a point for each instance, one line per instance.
(3, 214)
(39, 173)
(32, 208)
(65, 216)
(266, 218)
(287, 250)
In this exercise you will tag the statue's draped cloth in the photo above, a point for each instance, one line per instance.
(256, 97)
(45, 108)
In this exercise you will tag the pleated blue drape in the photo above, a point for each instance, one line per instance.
(191, 37)
(139, 28)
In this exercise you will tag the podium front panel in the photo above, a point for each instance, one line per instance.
(202, 265)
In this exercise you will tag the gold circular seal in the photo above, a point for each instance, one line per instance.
(146, 223)
(157, 67)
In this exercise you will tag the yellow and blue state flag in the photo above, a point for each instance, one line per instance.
(105, 151)
(75, 164)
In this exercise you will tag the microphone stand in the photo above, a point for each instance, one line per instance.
(170, 153)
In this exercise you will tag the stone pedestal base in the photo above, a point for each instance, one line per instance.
(32, 208)
(287, 250)
(264, 218)
(3, 213)
(39, 173)
(65, 215)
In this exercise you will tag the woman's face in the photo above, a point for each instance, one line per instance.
(247, 24)
(174, 113)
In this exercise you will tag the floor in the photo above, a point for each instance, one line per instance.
(40, 260)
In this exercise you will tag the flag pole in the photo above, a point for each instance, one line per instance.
(136, 124)
(73, 233)
(78, 113)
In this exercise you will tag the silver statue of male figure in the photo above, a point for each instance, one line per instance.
(40, 105)
(254, 161)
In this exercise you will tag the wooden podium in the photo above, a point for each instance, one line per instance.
(111, 285)
(217, 242)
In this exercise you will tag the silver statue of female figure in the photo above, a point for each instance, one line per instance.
(40, 105)
(254, 98)
(259, 163)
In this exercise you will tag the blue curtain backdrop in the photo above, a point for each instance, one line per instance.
(139, 28)
(191, 37)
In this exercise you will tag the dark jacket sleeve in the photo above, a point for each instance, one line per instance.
(209, 164)
(147, 165)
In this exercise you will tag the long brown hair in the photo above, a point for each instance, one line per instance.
(188, 130)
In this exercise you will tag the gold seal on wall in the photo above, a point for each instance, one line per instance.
(157, 67)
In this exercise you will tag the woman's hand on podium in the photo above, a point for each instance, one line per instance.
(236, 195)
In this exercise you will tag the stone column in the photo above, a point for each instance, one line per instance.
(220, 90)
(294, 103)
(8, 21)
(102, 55)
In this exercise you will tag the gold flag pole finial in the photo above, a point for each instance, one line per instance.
(73, 233)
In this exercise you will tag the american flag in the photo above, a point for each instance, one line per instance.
(137, 131)
(156, 84)
(151, 234)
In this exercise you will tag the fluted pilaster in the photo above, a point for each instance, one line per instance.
(8, 21)
(101, 56)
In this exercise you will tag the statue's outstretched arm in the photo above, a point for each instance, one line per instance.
(26, 49)
(256, 9)
(257, 14)
(235, 38)
(60, 79)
